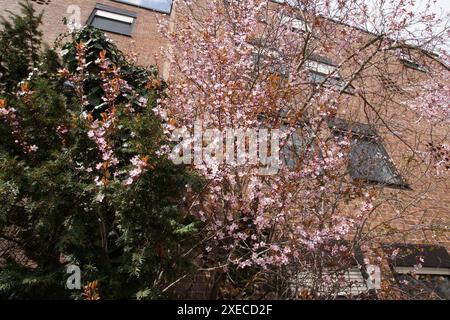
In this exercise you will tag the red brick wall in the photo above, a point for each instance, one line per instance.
(145, 40)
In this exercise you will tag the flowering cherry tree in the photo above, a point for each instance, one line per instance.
(298, 67)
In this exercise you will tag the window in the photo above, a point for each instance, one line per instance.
(352, 277)
(439, 154)
(368, 159)
(389, 84)
(294, 149)
(296, 25)
(164, 6)
(113, 20)
(346, 283)
(323, 70)
(41, 1)
(268, 59)
(410, 62)
(299, 144)
(421, 271)
(292, 3)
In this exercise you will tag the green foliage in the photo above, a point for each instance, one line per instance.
(132, 241)
(95, 40)
(20, 42)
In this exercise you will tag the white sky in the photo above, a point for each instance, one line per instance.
(442, 9)
(443, 5)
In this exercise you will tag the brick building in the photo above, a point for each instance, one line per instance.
(133, 24)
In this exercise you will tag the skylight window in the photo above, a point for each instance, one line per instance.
(323, 71)
(112, 19)
(296, 25)
(368, 159)
(164, 6)
(410, 62)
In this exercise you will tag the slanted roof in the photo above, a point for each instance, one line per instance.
(345, 126)
(322, 59)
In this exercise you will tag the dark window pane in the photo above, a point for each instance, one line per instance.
(292, 150)
(369, 161)
(317, 77)
(341, 126)
(112, 25)
(337, 82)
(299, 146)
(425, 286)
(433, 256)
(273, 65)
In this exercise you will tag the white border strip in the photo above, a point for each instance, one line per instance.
(431, 271)
(114, 16)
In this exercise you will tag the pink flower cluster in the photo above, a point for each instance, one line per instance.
(432, 97)
(139, 166)
(233, 81)
(10, 116)
(98, 133)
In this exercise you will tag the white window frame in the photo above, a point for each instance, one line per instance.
(410, 62)
(297, 25)
(321, 67)
(423, 271)
(114, 16)
(353, 276)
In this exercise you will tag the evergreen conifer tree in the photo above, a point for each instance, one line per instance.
(84, 179)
